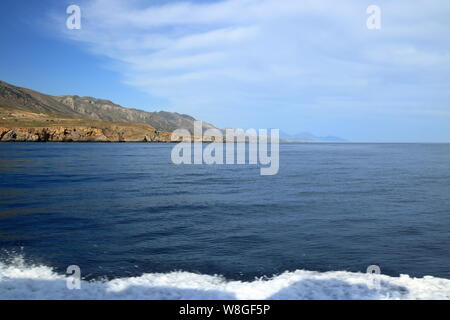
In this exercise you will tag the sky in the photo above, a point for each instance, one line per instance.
(297, 65)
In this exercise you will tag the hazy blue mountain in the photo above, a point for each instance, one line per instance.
(309, 137)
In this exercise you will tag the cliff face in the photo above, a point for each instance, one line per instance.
(82, 134)
(18, 125)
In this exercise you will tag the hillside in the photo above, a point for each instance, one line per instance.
(90, 108)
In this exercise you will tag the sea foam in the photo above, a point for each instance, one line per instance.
(19, 280)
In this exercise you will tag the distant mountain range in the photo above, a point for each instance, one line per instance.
(308, 137)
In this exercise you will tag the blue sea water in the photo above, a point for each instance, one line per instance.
(120, 210)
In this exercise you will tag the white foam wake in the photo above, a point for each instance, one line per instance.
(20, 281)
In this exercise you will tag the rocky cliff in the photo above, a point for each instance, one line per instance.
(81, 134)
(17, 125)
(27, 115)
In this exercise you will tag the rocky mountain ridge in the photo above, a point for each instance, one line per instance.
(90, 108)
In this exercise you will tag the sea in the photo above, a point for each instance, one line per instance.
(140, 227)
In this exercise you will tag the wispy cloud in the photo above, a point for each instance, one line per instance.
(241, 56)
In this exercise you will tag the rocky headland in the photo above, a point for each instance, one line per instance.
(30, 116)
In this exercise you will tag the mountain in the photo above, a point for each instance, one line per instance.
(99, 109)
(28, 115)
(91, 108)
(29, 100)
(308, 137)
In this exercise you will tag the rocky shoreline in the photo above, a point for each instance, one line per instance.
(31, 116)
(83, 134)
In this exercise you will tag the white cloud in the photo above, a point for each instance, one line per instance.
(236, 55)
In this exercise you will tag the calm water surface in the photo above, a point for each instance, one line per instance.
(118, 210)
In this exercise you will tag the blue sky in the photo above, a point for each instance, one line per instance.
(297, 65)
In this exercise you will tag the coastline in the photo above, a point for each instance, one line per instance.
(107, 133)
